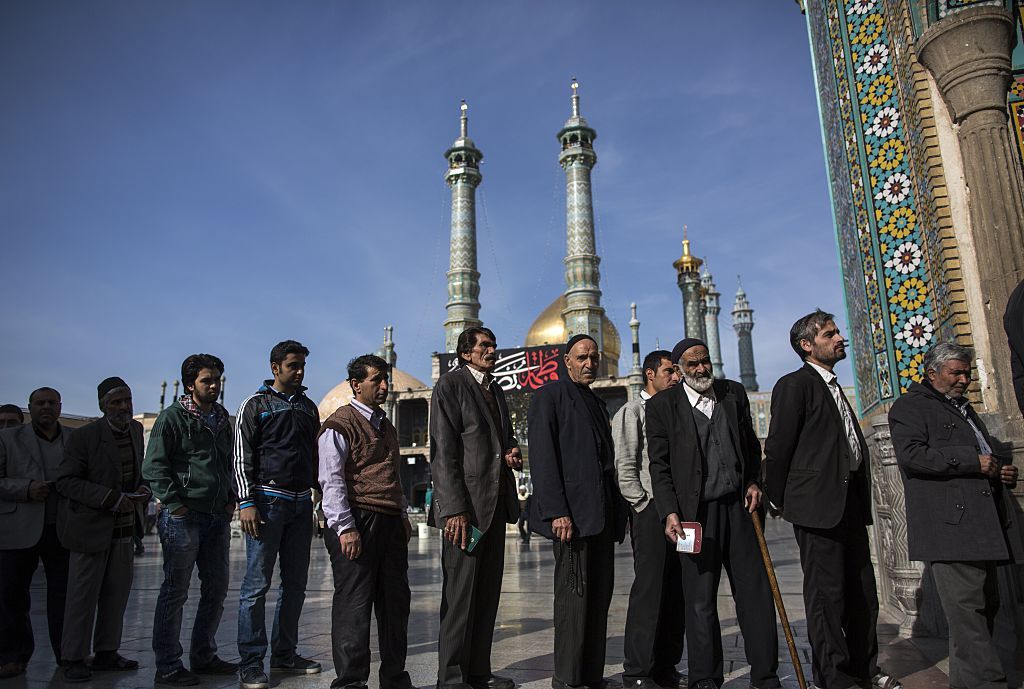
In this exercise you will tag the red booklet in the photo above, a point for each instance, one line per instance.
(689, 542)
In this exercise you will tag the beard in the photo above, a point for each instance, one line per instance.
(699, 383)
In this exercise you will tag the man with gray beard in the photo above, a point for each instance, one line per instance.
(705, 459)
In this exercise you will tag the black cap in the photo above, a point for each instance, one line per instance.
(576, 338)
(685, 344)
(112, 383)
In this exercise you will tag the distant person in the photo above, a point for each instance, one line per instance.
(655, 623)
(576, 504)
(523, 524)
(705, 461)
(368, 531)
(817, 473)
(1013, 324)
(101, 480)
(954, 486)
(11, 416)
(473, 451)
(274, 472)
(188, 467)
(30, 457)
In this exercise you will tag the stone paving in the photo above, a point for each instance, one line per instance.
(523, 637)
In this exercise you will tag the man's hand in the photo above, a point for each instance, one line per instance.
(351, 544)
(229, 508)
(124, 504)
(456, 529)
(989, 465)
(1008, 475)
(38, 490)
(407, 525)
(180, 512)
(673, 529)
(514, 458)
(143, 494)
(251, 520)
(753, 499)
(562, 528)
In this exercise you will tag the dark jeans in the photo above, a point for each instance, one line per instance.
(287, 530)
(198, 540)
(16, 570)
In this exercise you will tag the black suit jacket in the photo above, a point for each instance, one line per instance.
(678, 465)
(467, 453)
(807, 455)
(1013, 323)
(568, 480)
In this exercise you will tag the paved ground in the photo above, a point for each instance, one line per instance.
(523, 638)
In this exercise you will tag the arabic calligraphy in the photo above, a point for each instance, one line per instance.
(525, 369)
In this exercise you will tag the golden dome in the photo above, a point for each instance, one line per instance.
(549, 328)
(341, 394)
(687, 263)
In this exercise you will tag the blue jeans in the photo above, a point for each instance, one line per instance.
(287, 530)
(200, 540)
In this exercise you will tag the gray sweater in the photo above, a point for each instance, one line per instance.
(632, 468)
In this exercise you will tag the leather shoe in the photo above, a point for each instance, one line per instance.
(704, 684)
(605, 683)
(77, 671)
(112, 660)
(13, 669)
(641, 683)
(559, 684)
(492, 682)
(454, 685)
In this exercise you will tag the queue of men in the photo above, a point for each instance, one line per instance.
(681, 460)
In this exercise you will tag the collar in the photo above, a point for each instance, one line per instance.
(827, 376)
(268, 386)
(481, 377)
(374, 416)
(118, 431)
(60, 431)
(695, 396)
(190, 406)
(644, 396)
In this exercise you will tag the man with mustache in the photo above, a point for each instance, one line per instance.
(101, 479)
(473, 451)
(30, 457)
(11, 416)
(705, 459)
(956, 522)
(817, 474)
(576, 503)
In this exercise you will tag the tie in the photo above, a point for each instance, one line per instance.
(848, 423)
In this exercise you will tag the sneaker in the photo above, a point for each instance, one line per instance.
(297, 664)
(77, 671)
(885, 681)
(217, 666)
(253, 677)
(177, 678)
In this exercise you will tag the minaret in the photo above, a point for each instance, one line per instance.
(743, 323)
(388, 354)
(636, 373)
(463, 176)
(583, 312)
(688, 278)
(711, 296)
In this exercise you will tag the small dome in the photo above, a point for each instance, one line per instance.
(549, 328)
(341, 394)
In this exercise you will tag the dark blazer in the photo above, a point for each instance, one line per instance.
(568, 480)
(952, 512)
(467, 453)
(1013, 324)
(90, 480)
(678, 465)
(807, 455)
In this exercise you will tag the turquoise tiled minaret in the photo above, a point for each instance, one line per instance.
(743, 323)
(463, 176)
(711, 297)
(688, 278)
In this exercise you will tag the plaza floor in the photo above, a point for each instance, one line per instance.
(523, 636)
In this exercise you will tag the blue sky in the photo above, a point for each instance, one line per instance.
(217, 177)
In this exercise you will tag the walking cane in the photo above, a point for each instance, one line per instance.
(770, 568)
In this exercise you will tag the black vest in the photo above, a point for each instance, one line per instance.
(721, 459)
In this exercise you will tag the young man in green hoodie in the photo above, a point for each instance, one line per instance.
(188, 467)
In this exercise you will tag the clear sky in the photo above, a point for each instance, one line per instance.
(194, 176)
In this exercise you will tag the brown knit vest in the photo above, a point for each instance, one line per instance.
(371, 471)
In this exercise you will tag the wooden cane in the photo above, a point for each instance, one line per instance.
(770, 568)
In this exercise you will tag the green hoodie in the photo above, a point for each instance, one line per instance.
(187, 464)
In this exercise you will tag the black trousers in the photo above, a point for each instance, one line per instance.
(584, 575)
(970, 599)
(729, 542)
(652, 650)
(16, 570)
(377, 581)
(840, 599)
(469, 605)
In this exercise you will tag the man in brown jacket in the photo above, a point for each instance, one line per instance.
(368, 531)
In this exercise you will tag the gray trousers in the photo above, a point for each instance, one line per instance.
(98, 589)
(970, 599)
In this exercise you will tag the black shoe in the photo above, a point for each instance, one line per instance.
(705, 684)
(559, 684)
(77, 671)
(297, 664)
(176, 678)
(216, 666)
(605, 683)
(670, 679)
(453, 685)
(12, 669)
(492, 682)
(112, 660)
(253, 677)
(643, 683)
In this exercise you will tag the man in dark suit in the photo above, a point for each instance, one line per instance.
(955, 521)
(472, 453)
(705, 459)
(1013, 324)
(816, 470)
(101, 481)
(576, 503)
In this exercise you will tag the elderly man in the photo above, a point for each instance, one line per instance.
(705, 459)
(654, 625)
(473, 451)
(816, 468)
(577, 504)
(30, 458)
(101, 479)
(956, 521)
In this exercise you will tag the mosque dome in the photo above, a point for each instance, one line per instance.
(549, 328)
(341, 394)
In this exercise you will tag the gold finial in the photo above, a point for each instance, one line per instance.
(687, 263)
